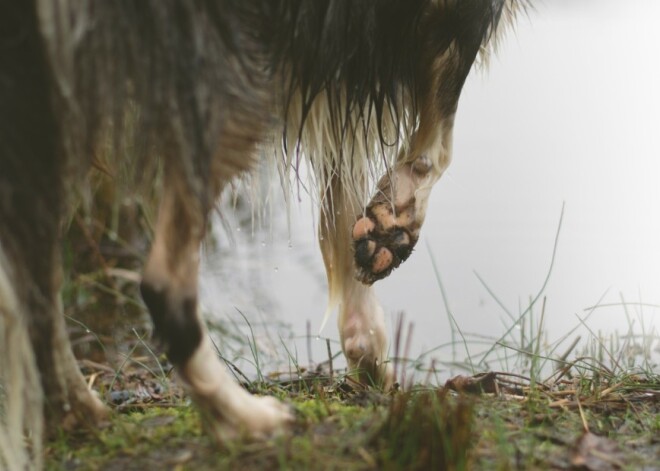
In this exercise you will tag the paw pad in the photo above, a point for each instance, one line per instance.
(382, 240)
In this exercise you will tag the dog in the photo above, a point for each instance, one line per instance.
(365, 91)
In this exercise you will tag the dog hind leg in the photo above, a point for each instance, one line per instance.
(31, 207)
(169, 288)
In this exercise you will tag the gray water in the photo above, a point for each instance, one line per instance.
(568, 113)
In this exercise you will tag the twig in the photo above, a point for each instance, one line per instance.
(309, 343)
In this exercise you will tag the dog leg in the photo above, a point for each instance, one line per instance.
(361, 319)
(30, 241)
(386, 232)
(36, 277)
(32, 170)
(169, 288)
(68, 399)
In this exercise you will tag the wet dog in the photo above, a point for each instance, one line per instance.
(364, 91)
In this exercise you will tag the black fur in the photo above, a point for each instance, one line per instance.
(177, 328)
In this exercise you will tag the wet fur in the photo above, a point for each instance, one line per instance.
(205, 88)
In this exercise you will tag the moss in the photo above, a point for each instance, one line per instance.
(422, 429)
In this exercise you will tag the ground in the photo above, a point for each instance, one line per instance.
(486, 422)
(595, 409)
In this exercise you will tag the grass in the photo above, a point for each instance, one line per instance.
(501, 424)
(488, 421)
(592, 405)
(597, 408)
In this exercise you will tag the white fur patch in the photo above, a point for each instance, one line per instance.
(233, 410)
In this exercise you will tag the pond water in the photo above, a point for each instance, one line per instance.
(568, 114)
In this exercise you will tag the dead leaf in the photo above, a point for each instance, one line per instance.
(482, 383)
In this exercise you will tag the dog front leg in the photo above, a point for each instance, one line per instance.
(361, 319)
(386, 232)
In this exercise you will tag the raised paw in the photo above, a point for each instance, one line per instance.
(385, 234)
(382, 239)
